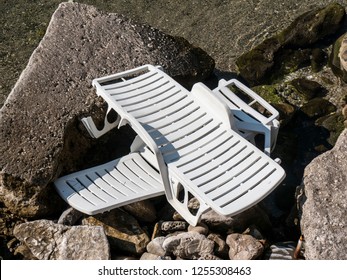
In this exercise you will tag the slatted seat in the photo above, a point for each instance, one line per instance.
(195, 142)
(119, 182)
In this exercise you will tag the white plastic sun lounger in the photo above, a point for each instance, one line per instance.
(248, 120)
(191, 135)
(194, 150)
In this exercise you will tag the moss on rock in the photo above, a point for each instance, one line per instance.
(290, 49)
(308, 89)
(318, 107)
(334, 123)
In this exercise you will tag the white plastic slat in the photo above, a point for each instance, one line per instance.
(244, 187)
(184, 131)
(95, 189)
(113, 177)
(237, 110)
(206, 154)
(242, 158)
(151, 181)
(133, 177)
(103, 185)
(187, 151)
(138, 92)
(152, 81)
(221, 188)
(83, 189)
(147, 100)
(172, 127)
(101, 192)
(117, 83)
(220, 160)
(166, 112)
(212, 128)
(65, 191)
(254, 195)
(160, 106)
(178, 116)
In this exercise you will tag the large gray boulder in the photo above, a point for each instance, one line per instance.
(40, 132)
(47, 240)
(324, 204)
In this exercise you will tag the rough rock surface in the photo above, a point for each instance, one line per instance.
(122, 230)
(40, 131)
(189, 245)
(49, 241)
(221, 224)
(324, 204)
(338, 57)
(288, 50)
(243, 247)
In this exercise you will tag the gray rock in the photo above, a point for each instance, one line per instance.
(324, 208)
(338, 57)
(155, 246)
(170, 226)
(199, 228)
(41, 135)
(122, 230)
(243, 247)
(149, 256)
(221, 249)
(291, 46)
(237, 223)
(188, 245)
(49, 241)
(142, 210)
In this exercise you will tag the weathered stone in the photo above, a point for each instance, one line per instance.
(188, 245)
(338, 57)
(199, 228)
(70, 216)
(209, 257)
(221, 249)
(155, 246)
(142, 210)
(286, 111)
(49, 241)
(149, 256)
(237, 223)
(243, 247)
(40, 131)
(319, 58)
(318, 107)
(23, 252)
(275, 56)
(324, 208)
(170, 226)
(122, 230)
(308, 89)
(334, 123)
(254, 231)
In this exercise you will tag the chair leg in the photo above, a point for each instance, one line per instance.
(94, 131)
(181, 204)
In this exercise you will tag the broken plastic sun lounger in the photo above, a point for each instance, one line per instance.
(194, 146)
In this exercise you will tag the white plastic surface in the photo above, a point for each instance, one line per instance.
(248, 120)
(113, 184)
(193, 147)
